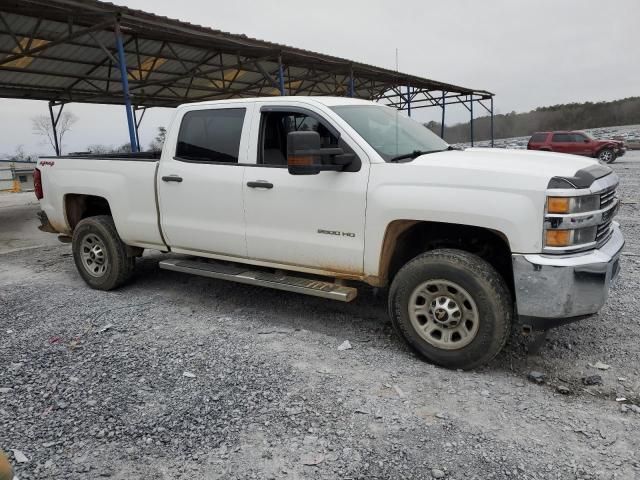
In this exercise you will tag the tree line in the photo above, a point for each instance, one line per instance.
(570, 116)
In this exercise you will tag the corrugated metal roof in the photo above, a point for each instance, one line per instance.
(169, 62)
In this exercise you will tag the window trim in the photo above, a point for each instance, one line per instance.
(211, 162)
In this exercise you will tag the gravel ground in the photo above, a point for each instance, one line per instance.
(183, 377)
(19, 223)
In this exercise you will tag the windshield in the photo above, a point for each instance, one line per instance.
(388, 131)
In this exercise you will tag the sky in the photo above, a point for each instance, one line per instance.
(530, 53)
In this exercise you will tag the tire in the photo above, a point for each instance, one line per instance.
(99, 253)
(469, 338)
(607, 155)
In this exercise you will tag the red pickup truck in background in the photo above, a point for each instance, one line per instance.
(577, 143)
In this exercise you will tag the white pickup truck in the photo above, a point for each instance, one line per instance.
(319, 195)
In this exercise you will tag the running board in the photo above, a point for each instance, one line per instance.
(240, 274)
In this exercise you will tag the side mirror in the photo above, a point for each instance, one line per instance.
(586, 140)
(304, 154)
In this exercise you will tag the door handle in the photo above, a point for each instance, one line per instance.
(172, 178)
(260, 184)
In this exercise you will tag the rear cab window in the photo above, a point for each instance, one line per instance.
(211, 136)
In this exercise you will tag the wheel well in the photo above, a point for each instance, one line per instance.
(406, 239)
(79, 206)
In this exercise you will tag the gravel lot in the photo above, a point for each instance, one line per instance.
(180, 377)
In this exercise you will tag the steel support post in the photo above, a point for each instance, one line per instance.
(443, 109)
(138, 121)
(352, 92)
(409, 100)
(471, 122)
(281, 75)
(492, 133)
(124, 76)
(54, 126)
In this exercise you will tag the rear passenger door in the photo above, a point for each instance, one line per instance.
(199, 182)
(561, 142)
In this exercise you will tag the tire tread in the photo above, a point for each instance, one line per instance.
(479, 268)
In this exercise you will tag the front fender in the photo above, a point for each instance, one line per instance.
(515, 210)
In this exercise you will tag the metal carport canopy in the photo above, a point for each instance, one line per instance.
(95, 52)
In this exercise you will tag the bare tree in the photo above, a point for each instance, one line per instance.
(42, 126)
(158, 142)
(99, 149)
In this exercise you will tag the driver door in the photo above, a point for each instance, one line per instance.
(310, 221)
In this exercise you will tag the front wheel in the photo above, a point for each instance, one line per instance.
(606, 155)
(452, 307)
(99, 253)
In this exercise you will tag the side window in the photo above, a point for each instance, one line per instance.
(211, 135)
(276, 126)
(538, 138)
(561, 137)
(578, 137)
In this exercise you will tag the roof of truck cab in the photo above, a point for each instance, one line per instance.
(327, 101)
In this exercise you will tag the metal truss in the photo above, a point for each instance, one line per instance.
(127, 57)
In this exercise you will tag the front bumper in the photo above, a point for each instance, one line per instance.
(552, 290)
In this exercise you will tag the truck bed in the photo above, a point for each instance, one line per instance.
(126, 182)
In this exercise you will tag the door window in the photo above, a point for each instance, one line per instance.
(211, 135)
(276, 126)
(578, 137)
(562, 137)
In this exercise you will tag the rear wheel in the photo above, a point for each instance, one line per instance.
(99, 253)
(607, 155)
(452, 307)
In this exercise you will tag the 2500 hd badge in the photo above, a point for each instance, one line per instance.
(336, 232)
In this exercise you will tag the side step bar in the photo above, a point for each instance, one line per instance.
(240, 274)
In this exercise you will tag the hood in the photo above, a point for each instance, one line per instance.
(532, 167)
(609, 141)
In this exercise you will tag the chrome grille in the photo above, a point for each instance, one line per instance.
(607, 197)
(604, 232)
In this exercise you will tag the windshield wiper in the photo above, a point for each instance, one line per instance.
(416, 154)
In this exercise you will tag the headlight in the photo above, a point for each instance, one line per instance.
(569, 238)
(586, 203)
(568, 225)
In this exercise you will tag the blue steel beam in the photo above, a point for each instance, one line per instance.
(124, 76)
(281, 76)
(471, 122)
(444, 105)
(492, 122)
(352, 90)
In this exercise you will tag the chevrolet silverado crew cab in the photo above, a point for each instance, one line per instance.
(321, 195)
